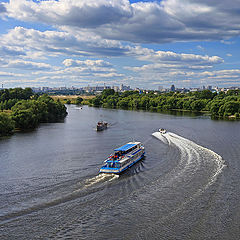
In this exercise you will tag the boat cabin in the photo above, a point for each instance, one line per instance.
(117, 159)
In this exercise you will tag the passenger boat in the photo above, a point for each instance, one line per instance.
(123, 158)
(162, 130)
(102, 126)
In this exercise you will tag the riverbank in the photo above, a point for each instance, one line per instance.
(223, 106)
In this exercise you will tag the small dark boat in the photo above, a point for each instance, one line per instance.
(102, 126)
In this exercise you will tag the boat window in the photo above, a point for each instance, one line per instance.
(110, 165)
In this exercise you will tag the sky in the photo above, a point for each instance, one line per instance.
(145, 44)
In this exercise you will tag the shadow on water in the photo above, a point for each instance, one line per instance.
(179, 113)
(183, 113)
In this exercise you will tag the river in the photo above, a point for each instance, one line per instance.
(186, 187)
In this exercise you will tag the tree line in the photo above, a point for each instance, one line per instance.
(22, 109)
(221, 104)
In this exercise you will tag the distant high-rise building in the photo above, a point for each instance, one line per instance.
(124, 88)
(172, 88)
(115, 88)
(209, 88)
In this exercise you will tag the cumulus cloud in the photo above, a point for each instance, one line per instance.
(109, 75)
(169, 66)
(9, 74)
(6, 51)
(86, 63)
(155, 74)
(181, 58)
(99, 68)
(61, 43)
(27, 65)
(84, 13)
(155, 22)
(97, 28)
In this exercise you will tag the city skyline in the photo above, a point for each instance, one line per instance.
(144, 44)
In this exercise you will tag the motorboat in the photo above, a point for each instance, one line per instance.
(101, 125)
(162, 130)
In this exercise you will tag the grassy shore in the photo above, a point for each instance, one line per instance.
(71, 99)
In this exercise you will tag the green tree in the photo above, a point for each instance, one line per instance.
(79, 100)
(107, 92)
(198, 105)
(230, 108)
(97, 101)
(7, 125)
(123, 103)
(25, 118)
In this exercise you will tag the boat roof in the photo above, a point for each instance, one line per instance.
(127, 146)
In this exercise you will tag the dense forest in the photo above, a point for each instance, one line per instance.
(223, 105)
(21, 109)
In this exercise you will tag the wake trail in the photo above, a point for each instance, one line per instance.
(101, 177)
(197, 169)
(193, 154)
(86, 189)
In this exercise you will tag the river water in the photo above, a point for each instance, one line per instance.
(187, 186)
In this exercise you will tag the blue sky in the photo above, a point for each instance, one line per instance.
(143, 44)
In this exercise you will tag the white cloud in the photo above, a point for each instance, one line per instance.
(9, 51)
(155, 22)
(26, 65)
(108, 75)
(94, 28)
(56, 43)
(86, 63)
(171, 57)
(10, 74)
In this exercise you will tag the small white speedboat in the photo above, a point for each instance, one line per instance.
(162, 130)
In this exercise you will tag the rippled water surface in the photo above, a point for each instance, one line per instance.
(187, 186)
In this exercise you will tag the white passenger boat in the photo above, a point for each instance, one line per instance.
(162, 130)
(123, 158)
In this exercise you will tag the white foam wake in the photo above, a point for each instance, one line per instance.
(102, 177)
(193, 156)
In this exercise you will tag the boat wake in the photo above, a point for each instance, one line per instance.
(102, 177)
(194, 158)
(186, 184)
(87, 187)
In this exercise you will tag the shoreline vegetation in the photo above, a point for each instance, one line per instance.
(21, 109)
(218, 106)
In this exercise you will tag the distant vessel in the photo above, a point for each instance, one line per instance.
(162, 130)
(123, 158)
(102, 126)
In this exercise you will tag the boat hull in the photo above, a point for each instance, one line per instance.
(120, 170)
(101, 128)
